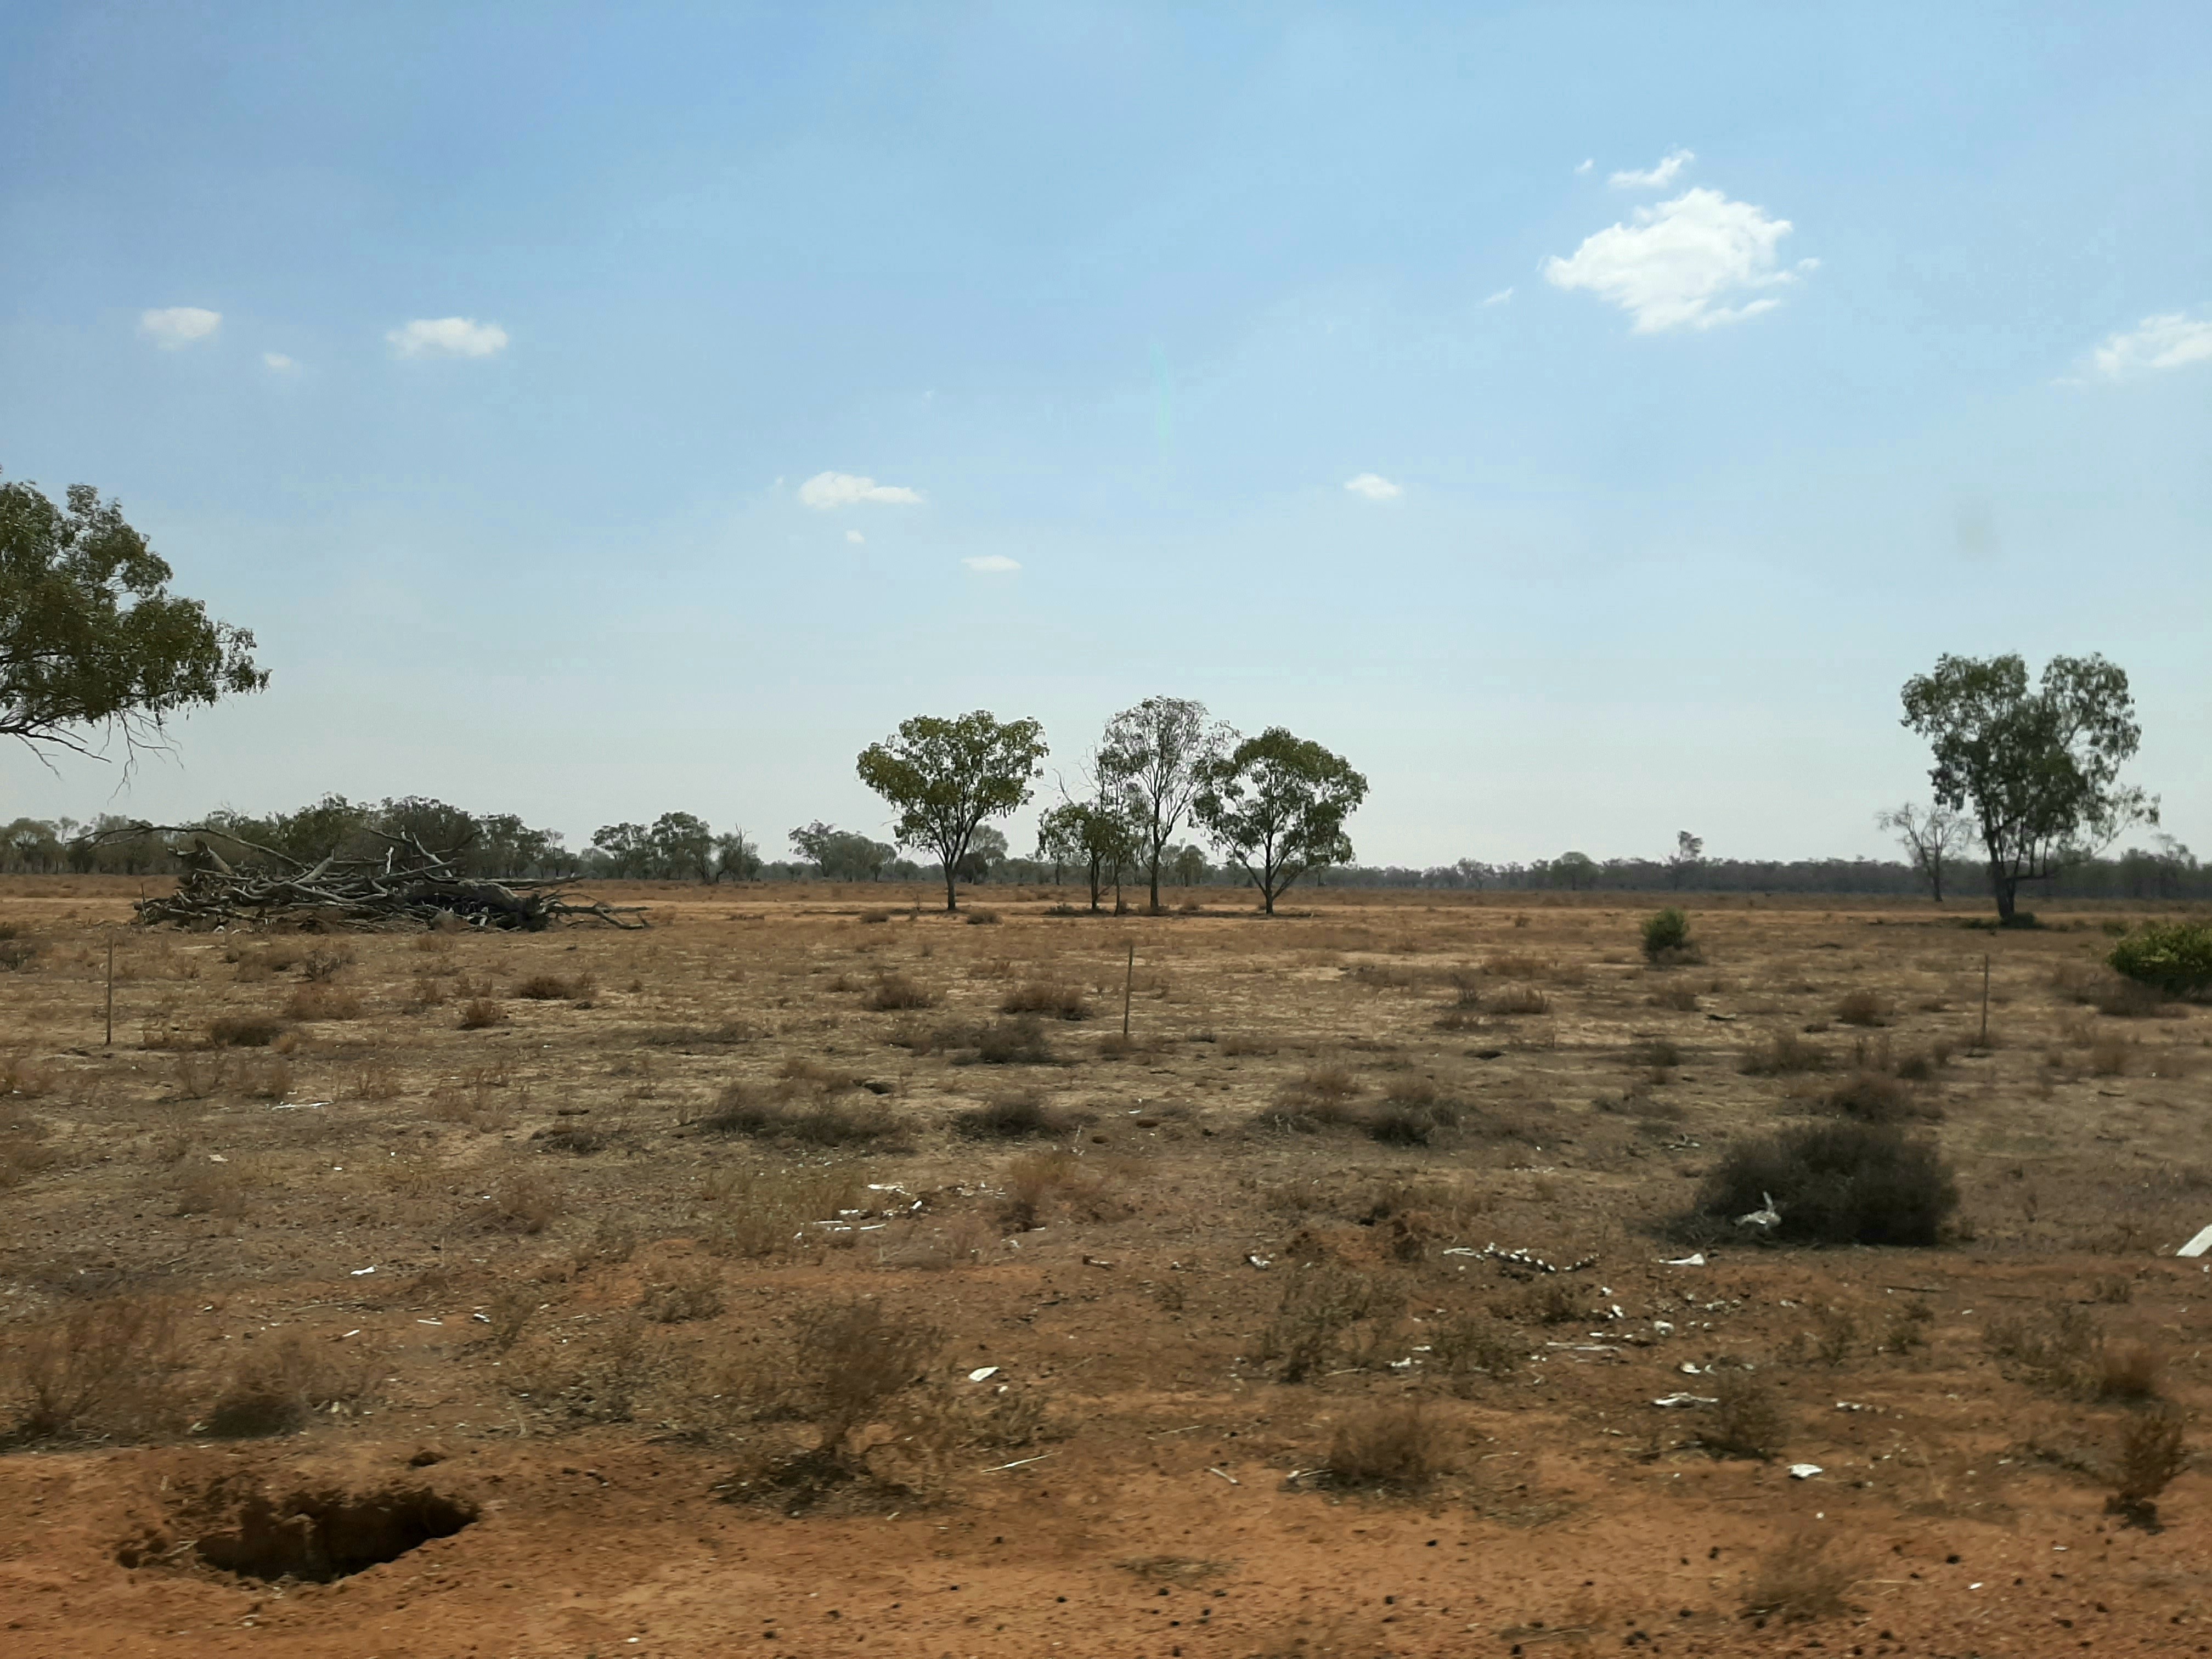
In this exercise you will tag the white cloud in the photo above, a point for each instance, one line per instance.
(856, 538)
(2169, 340)
(1500, 297)
(448, 336)
(1657, 178)
(993, 564)
(278, 361)
(1676, 264)
(1589, 161)
(179, 325)
(1374, 486)
(825, 490)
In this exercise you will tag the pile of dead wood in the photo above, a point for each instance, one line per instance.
(409, 886)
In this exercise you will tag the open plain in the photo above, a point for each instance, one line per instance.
(816, 1273)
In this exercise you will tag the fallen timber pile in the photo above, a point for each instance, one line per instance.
(409, 887)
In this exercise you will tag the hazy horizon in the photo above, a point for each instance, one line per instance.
(1582, 420)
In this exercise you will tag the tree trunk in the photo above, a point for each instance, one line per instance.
(2008, 893)
(952, 891)
(1155, 881)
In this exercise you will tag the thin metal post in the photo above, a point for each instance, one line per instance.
(1128, 984)
(1984, 1041)
(111, 991)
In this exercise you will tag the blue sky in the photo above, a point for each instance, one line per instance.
(1584, 418)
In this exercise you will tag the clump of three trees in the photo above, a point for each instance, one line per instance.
(1274, 803)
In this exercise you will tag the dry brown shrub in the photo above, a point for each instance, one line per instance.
(479, 1012)
(106, 1368)
(271, 1080)
(1321, 1306)
(275, 1384)
(244, 1031)
(1037, 1181)
(554, 988)
(848, 1361)
(696, 1292)
(1469, 1344)
(2152, 1449)
(810, 1117)
(1784, 1054)
(25, 1077)
(210, 1189)
(1861, 1008)
(2109, 1057)
(1038, 996)
(1402, 1444)
(320, 1001)
(2129, 1371)
(1009, 1117)
(1520, 1000)
(376, 1079)
(893, 992)
(1806, 1576)
(22, 1154)
(1748, 1420)
(755, 1213)
(524, 1202)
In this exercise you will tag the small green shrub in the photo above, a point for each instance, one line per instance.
(1666, 935)
(2175, 957)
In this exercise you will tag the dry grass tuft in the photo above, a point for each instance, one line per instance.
(810, 1115)
(277, 1384)
(1804, 1577)
(481, 1014)
(1400, 1445)
(1784, 1054)
(2152, 1449)
(893, 992)
(106, 1368)
(554, 988)
(319, 1000)
(524, 1202)
(1039, 996)
(1861, 1008)
(755, 1213)
(1009, 1117)
(244, 1031)
(1747, 1421)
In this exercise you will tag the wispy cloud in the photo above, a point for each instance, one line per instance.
(1654, 177)
(1588, 162)
(173, 327)
(448, 336)
(1374, 486)
(1681, 261)
(992, 564)
(826, 491)
(2173, 339)
(278, 363)
(856, 538)
(1501, 297)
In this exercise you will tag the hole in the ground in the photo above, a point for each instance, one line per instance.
(318, 1536)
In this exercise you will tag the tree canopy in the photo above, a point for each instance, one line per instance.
(946, 777)
(1276, 804)
(90, 636)
(1097, 834)
(2040, 769)
(1154, 754)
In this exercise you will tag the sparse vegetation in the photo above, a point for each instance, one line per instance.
(1400, 1445)
(2171, 957)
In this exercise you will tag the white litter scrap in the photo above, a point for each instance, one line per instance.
(1672, 1401)
(300, 1106)
(1262, 1261)
(1766, 1220)
(1695, 1259)
(1803, 1471)
(1529, 1258)
(982, 1373)
(2197, 1245)
(360, 1272)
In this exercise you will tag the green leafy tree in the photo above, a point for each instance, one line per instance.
(947, 776)
(735, 857)
(1687, 858)
(986, 853)
(90, 636)
(627, 848)
(1573, 871)
(1187, 864)
(842, 854)
(683, 847)
(1155, 754)
(2038, 768)
(1096, 834)
(1276, 804)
